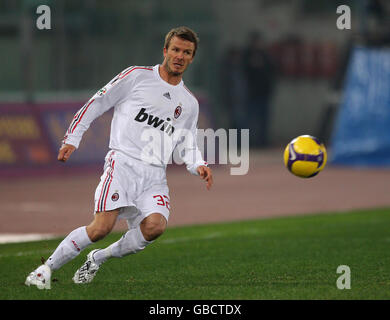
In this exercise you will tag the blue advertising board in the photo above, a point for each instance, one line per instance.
(361, 135)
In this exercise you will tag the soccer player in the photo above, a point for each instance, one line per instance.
(154, 112)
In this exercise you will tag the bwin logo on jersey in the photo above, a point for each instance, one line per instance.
(154, 121)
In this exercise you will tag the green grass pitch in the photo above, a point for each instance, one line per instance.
(283, 258)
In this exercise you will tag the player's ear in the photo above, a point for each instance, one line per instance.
(193, 56)
(165, 52)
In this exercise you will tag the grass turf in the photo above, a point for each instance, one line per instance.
(284, 258)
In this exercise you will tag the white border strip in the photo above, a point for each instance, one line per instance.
(16, 237)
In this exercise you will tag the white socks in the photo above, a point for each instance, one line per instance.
(131, 242)
(69, 248)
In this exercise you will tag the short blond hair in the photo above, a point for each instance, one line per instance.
(184, 33)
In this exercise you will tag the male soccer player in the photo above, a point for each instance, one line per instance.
(153, 113)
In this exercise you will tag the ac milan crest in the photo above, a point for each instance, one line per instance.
(115, 196)
(177, 112)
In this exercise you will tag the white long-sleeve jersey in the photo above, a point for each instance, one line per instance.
(151, 118)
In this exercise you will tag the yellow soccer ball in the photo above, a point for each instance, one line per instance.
(305, 156)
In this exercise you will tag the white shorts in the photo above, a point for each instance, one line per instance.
(137, 188)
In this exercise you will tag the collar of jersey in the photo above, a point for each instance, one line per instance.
(157, 74)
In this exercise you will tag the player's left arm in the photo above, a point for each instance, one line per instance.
(65, 151)
(206, 174)
(192, 155)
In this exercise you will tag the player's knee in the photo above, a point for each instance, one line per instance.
(98, 233)
(153, 228)
(101, 225)
(153, 231)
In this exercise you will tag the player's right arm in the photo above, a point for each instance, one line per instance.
(110, 95)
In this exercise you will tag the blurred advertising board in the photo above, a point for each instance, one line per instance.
(361, 134)
(31, 134)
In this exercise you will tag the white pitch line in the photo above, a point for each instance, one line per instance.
(22, 237)
(26, 253)
(184, 239)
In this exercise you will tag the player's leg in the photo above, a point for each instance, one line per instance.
(81, 238)
(107, 206)
(102, 224)
(133, 241)
(154, 206)
(71, 246)
(106, 214)
(146, 222)
(153, 226)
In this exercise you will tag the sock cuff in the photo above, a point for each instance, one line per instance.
(87, 239)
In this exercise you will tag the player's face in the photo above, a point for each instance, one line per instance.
(178, 55)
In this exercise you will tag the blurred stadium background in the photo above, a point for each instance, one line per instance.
(313, 79)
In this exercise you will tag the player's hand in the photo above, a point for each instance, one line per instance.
(65, 151)
(206, 174)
